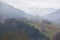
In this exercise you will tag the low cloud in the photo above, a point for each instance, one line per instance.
(27, 4)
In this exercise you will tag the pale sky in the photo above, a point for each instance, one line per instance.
(27, 4)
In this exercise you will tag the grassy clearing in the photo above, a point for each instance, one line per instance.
(51, 28)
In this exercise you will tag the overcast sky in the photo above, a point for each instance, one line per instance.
(27, 4)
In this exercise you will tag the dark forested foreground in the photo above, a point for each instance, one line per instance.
(12, 29)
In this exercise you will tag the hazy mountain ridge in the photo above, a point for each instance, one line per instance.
(7, 11)
(42, 11)
(54, 17)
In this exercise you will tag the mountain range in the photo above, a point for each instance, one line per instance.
(14, 29)
(11, 24)
(8, 11)
(40, 11)
(54, 17)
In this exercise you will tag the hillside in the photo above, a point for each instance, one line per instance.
(49, 29)
(18, 30)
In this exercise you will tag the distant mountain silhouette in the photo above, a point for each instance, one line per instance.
(54, 17)
(41, 11)
(8, 11)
